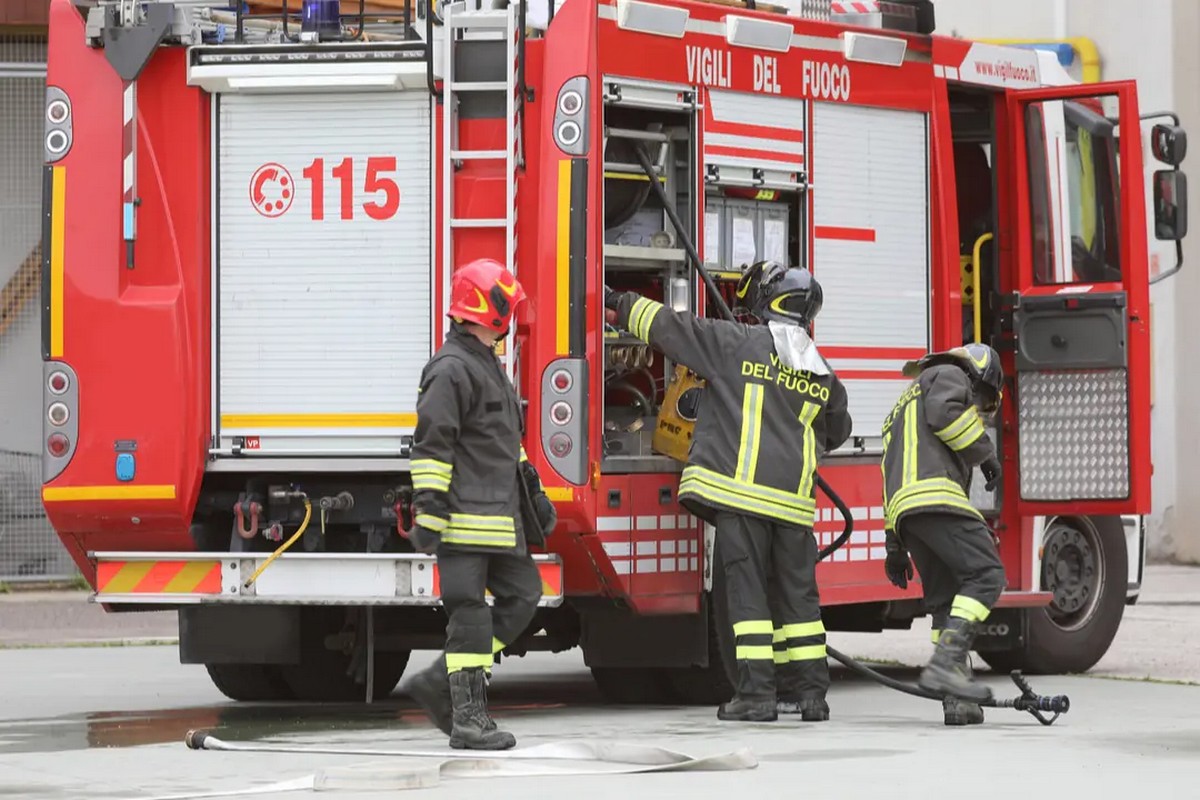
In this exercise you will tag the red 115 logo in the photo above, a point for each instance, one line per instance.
(271, 189)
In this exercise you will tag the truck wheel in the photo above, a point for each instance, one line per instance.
(321, 676)
(713, 684)
(1085, 564)
(249, 683)
(632, 685)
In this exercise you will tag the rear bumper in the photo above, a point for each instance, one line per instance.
(336, 579)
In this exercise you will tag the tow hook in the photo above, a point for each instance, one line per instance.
(404, 515)
(246, 506)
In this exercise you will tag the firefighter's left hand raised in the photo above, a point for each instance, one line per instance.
(991, 473)
(898, 566)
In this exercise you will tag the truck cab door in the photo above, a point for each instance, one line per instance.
(1079, 297)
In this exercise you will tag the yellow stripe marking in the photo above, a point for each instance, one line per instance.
(58, 229)
(51, 494)
(563, 260)
(189, 577)
(559, 494)
(128, 577)
(632, 176)
(318, 420)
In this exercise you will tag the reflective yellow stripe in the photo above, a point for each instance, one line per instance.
(935, 634)
(747, 458)
(497, 645)
(128, 491)
(969, 608)
(810, 652)
(801, 629)
(641, 317)
(261, 421)
(484, 531)
(929, 500)
(715, 488)
(910, 444)
(967, 437)
(431, 523)
(562, 260)
(751, 627)
(524, 455)
(58, 235)
(428, 473)
(780, 656)
(459, 661)
(956, 428)
(755, 652)
(807, 414)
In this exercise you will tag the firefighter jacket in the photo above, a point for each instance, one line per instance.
(762, 424)
(467, 454)
(932, 440)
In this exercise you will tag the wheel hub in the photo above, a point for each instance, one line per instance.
(1072, 572)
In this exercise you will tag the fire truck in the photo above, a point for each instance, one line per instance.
(251, 219)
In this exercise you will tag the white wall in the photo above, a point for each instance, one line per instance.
(1135, 42)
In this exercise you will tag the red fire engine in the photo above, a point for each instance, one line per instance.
(251, 222)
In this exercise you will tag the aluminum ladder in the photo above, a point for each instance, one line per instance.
(462, 24)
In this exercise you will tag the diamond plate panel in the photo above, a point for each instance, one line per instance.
(816, 9)
(1073, 435)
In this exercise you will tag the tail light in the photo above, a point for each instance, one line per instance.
(571, 117)
(57, 445)
(60, 419)
(59, 128)
(565, 417)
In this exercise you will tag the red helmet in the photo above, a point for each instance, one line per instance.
(486, 293)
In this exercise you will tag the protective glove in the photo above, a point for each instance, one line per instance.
(424, 540)
(991, 473)
(611, 299)
(547, 514)
(898, 567)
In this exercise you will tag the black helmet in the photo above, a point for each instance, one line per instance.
(771, 291)
(980, 362)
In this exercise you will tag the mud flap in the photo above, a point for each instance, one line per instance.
(1004, 630)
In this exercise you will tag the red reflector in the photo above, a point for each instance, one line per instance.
(57, 445)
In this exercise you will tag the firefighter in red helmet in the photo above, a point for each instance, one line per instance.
(477, 504)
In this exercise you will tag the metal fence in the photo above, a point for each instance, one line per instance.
(29, 548)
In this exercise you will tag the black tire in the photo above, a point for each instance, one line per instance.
(713, 684)
(322, 674)
(249, 683)
(1085, 564)
(628, 686)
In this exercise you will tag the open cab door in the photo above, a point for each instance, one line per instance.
(1080, 301)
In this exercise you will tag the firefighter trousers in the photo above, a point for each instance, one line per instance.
(475, 632)
(960, 570)
(770, 577)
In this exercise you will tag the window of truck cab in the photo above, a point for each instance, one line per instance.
(1073, 177)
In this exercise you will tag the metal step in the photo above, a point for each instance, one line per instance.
(478, 155)
(478, 86)
(480, 20)
(480, 222)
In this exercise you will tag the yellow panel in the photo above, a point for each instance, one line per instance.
(563, 260)
(318, 420)
(58, 229)
(52, 494)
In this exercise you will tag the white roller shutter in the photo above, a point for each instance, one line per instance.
(871, 250)
(323, 325)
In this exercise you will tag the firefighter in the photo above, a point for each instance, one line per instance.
(469, 472)
(933, 439)
(772, 407)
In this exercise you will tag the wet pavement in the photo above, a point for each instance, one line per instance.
(109, 722)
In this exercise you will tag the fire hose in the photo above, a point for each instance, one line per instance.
(1037, 705)
(1029, 701)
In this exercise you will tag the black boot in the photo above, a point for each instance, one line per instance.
(742, 710)
(960, 712)
(473, 728)
(431, 689)
(947, 672)
(797, 694)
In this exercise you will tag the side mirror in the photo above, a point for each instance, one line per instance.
(1169, 144)
(1170, 204)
